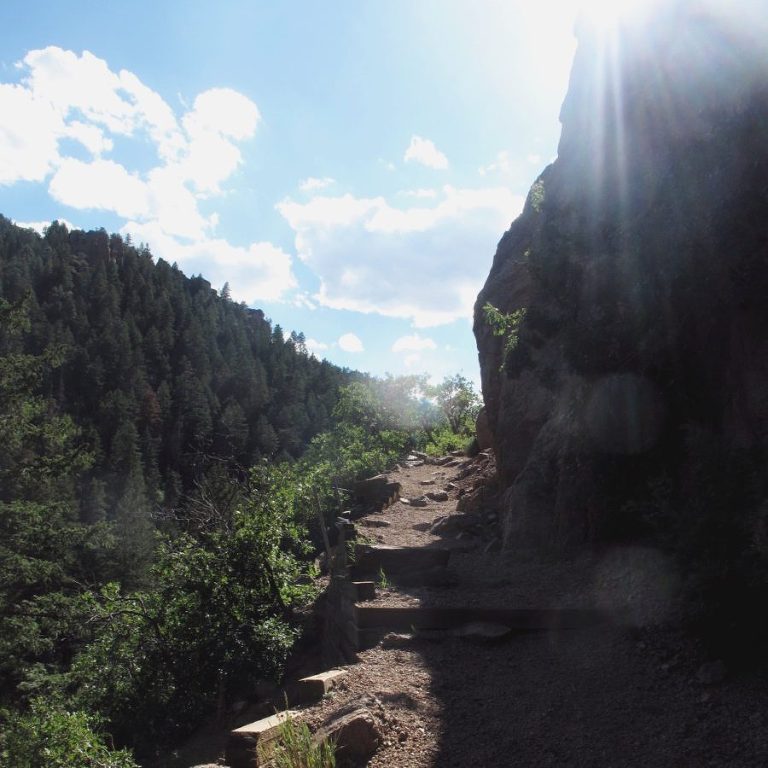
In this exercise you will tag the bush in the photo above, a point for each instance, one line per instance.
(444, 441)
(50, 736)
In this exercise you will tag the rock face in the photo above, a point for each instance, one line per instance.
(483, 431)
(638, 370)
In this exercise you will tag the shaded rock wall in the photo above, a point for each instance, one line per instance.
(641, 258)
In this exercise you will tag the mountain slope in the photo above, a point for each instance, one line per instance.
(157, 369)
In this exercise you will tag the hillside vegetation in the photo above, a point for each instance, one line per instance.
(166, 455)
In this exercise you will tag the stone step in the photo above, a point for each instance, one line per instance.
(250, 746)
(370, 559)
(521, 619)
(375, 493)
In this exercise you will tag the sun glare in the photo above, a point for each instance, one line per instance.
(607, 13)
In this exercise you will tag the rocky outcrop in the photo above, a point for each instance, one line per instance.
(355, 736)
(638, 371)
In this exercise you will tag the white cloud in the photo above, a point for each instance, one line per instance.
(350, 343)
(29, 133)
(173, 206)
(421, 194)
(424, 151)
(90, 136)
(261, 271)
(62, 95)
(315, 346)
(41, 226)
(218, 116)
(156, 116)
(101, 185)
(502, 164)
(534, 159)
(412, 359)
(311, 184)
(304, 300)
(422, 263)
(413, 343)
(79, 84)
(223, 111)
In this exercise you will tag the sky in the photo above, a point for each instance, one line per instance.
(347, 166)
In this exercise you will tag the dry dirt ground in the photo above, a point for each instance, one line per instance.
(640, 693)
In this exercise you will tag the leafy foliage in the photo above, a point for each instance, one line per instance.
(459, 403)
(506, 325)
(444, 441)
(219, 616)
(51, 736)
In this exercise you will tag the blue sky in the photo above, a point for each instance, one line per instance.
(348, 166)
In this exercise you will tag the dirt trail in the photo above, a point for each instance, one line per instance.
(637, 694)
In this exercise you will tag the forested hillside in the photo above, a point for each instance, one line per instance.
(157, 369)
(143, 563)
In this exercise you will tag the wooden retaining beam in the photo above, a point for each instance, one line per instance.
(250, 746)
(313, 688)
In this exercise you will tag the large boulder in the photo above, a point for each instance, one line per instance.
(355, 735)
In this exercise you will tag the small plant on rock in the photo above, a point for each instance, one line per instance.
(506, 325)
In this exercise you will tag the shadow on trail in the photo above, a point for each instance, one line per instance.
(600, 697)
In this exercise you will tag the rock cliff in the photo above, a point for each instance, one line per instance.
(630, 398)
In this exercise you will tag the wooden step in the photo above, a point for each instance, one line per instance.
(250, 746)
(313, 688)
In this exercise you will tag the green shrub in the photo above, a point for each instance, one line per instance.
(50, 736)
(444, 441)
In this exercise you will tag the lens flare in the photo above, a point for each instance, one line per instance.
(608, 13)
